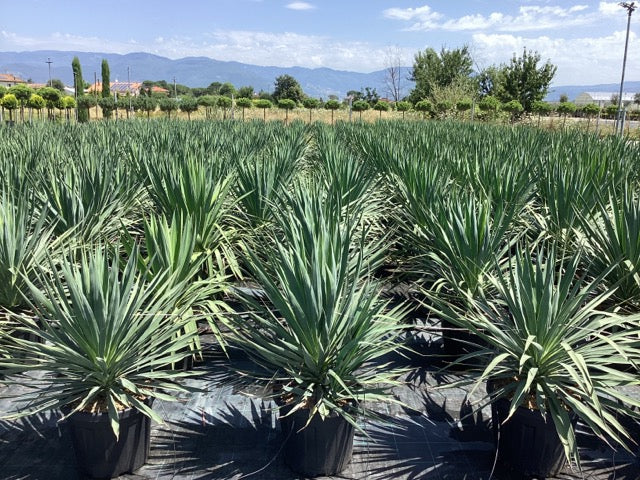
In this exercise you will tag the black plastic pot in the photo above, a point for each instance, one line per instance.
(324, 447)
(99, 454)
(527, 444)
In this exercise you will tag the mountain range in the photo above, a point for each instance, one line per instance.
(202, 71)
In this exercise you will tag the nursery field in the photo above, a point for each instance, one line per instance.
(354, 276)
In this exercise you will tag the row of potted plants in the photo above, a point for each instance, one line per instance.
(544, 328)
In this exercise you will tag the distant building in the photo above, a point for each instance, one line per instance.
(602, 98)
(120, 88)
(9, 80)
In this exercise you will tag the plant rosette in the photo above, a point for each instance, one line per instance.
(551, 350)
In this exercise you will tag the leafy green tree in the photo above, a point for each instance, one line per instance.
(10, 102)
(224, 103)
(69, 104)
(3, 91)
(403, 106)
(78, 87)
(168, 105)
(431, 69)
(514, 108)
(125, 102)
(332, 105)
(525, 81)
(564, 98)
(264, 104)
(541, 108)
(370, 95)
(146, 104)
(107, 105)
(381, 106)
(106, 88)
(51, 96)
(490, 105)
(590, 110)
(188, 105)
(360, 106)
(85, 102)
(57, 84)
(565, 109)
(425, 107)
(489, 80)
(444, 107)
(245, 92)
(37, 103)
(244, 103)
(286, 104)
(287, 87)
(227, 90)
(208, 102)
(310, 104)
(22, 93)
(214, 88)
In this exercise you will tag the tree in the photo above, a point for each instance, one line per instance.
(3, 91)
(22, 94)
(85, 102)
(245, 92)
(57, 84)
(227, 90)
(590, 110)
(370, 95)
(106, 87)
(78, 88)
(208, 102)
(311, 104)
(432, 69)
(37, 103)
(541, 108)
(188, 105)
(51, 96)
(213, 88)
(564, 98)
(286, 104)
(224, 103)
(107, 105)
(244, 103)
(490, 105)
(146, 104)
(443, 107)
(360, 106)
(393, 73)
(565, 109)
(332, 105)
(425, 107)
(264, 104)
(168, 105)
(381, 106)
(355, 95)
(514, 108)
(69, 104)
(403, 106)
(287, 87)
(524, 81)
(10, 102)
(123, 103)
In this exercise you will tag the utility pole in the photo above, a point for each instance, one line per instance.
(175, 89)
(630, 7)
(129, 87)
(49, 62)
(95, 91)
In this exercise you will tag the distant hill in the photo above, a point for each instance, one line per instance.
(190, 71)
(202, 71)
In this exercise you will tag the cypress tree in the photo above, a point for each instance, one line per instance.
(78, 86)
(106, 85)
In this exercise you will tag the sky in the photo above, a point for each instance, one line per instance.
(584, 38)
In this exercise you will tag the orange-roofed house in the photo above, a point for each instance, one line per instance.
(9, 80)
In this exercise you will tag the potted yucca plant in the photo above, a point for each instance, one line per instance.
(549, 353)
(106, 333)
(320, 326)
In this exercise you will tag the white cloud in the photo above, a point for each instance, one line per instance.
(609, 8)
(423, 17)
(531, 17)
(585, 61)
(300, 6)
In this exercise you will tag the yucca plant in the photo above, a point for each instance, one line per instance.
(547, 345)
(323, 322)
(612, 244)
(106, 334)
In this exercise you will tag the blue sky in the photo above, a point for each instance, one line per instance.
(584, 38)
